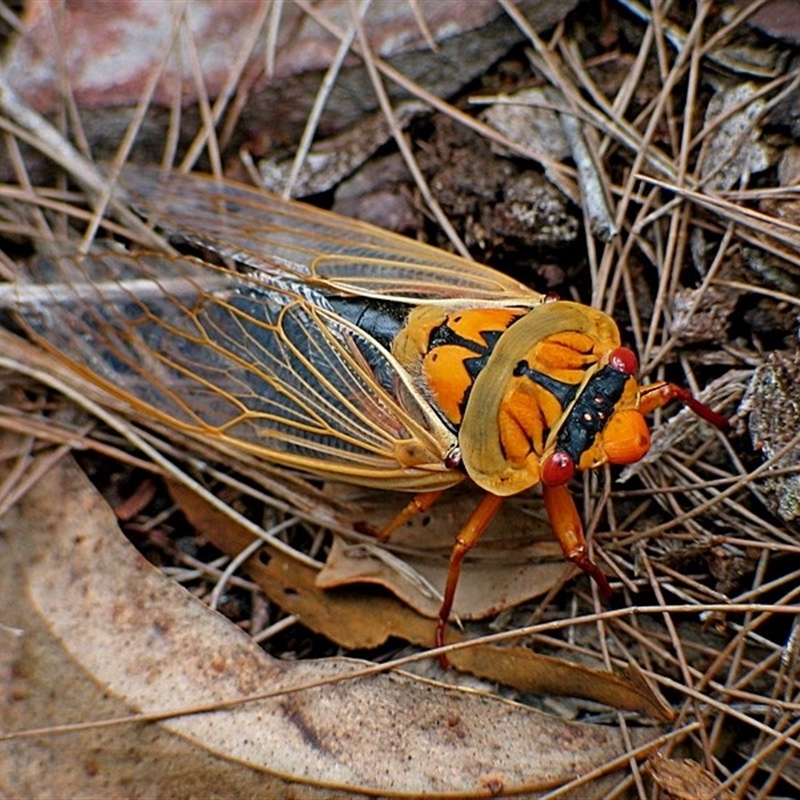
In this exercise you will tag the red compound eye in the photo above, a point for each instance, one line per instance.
(624, 360)
(557, 469)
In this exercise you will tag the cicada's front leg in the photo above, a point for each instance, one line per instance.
(659, 394)
(567, 526)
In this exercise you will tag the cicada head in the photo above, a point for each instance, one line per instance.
(558, 394)
(602, 426)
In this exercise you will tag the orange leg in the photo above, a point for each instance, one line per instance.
(567, 526)
(659, 394)
(465, 540)
(419, 503)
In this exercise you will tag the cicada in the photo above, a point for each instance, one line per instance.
(331, 346)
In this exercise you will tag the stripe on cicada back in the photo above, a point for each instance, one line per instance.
(446, 351)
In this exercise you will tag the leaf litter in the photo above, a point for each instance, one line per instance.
(696, 173)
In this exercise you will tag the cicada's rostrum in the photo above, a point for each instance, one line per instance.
(325, 344)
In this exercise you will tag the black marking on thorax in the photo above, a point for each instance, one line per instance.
(443, 335)
(591, 411)
(563, 392)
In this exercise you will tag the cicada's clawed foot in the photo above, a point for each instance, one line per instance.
(567, 526)
(581, 559)
(441, 624)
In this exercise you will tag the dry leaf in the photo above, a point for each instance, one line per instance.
(516, 560)
(487, 585)
(94, 614)
(359, 620)
(684, 779)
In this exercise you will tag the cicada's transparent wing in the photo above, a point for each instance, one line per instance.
(263, 230)
(265, 368)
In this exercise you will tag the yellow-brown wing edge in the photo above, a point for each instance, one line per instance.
(347, 255)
